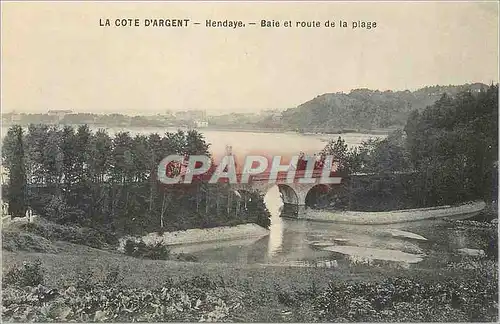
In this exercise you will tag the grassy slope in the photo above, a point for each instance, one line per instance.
(259, 281)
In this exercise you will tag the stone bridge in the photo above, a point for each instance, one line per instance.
(293, 193)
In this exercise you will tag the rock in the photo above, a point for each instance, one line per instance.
(321, 244)
(328, 264)
(364, 253)
(333, 242)
(494, 221)
(399, 233)
(471, 252)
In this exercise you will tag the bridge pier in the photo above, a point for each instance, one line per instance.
(293, 195)
(301, 212)
(294, 211)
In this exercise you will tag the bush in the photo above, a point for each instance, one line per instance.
(73, 234)
(186, 257)
(59, 211)
(28, 274)
(19, 241)
(139, 249)
(489, 213)
(406, 300)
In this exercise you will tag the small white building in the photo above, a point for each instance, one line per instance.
(200, 123)
(59, 114)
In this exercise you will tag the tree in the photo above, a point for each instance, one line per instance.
(13, 155)
(82, 141)
(69, 151)
(453, 144)
(52, 158)
(154, 155)
(100, 148)
(195, 144)
(339, 150)
(36, 141)
(122, 159)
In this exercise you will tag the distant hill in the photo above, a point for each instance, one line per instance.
(364, 109)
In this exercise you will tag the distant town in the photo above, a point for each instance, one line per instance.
(361, 110)
(189, 119)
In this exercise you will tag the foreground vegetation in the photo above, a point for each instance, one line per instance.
(469, 295)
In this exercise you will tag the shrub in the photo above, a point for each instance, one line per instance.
(73, 234)
(492, 247)
(406, 300)
(28, 274)
(59, 211)
(20, 241)
(186, 257)
(139, 249)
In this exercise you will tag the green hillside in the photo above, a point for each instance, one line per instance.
(364, 108)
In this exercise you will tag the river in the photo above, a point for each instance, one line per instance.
(245, 143)
(292, 242)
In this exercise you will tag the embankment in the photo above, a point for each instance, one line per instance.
(202, 235)
(397, 216)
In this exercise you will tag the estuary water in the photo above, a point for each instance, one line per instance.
(293, 242)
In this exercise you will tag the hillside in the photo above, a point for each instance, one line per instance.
(364, 108)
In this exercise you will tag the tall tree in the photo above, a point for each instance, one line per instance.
(36, 142)
(100, 150)
(53, 158)
(13, 155)
(69, 152)
(340, 152)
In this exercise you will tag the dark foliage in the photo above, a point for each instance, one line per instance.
(447, 154)
(139, 249)
(28, 274)
(13, 160)
(74, 234)
(110, 184)
(406, 300)
(364, 109)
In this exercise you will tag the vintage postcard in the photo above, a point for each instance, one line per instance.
(249, 161)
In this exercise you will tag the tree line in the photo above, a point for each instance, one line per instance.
(92, 178)
(446, 154)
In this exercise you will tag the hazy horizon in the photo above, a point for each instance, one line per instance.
(56, 56)
(256, 111)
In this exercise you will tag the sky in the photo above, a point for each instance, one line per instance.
(57, 56)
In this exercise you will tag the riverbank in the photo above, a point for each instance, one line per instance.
(378, 131)
(396, 216)
(201, 235)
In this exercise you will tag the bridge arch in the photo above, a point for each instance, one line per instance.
(317, 196)
(288, 194)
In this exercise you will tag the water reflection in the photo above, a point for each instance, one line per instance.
(295, 242)
(274, 204)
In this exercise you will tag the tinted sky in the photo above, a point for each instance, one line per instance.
(55, 55)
